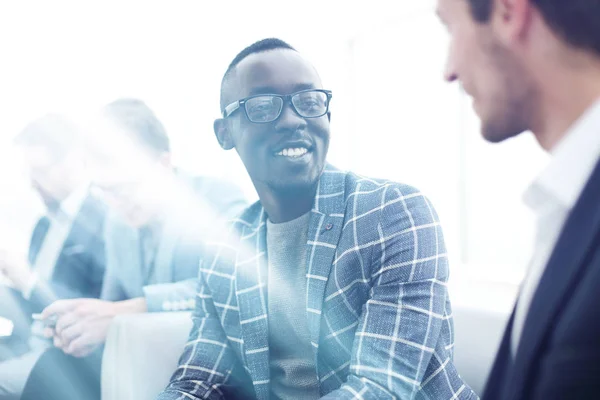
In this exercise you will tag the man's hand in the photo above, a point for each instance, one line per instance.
(16, 269)
(82, 324)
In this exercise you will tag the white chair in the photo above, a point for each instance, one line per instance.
(141, 354)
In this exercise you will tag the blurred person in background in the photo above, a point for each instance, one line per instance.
(153, 244)
(333, 285)
(534, 65)
(66, 253)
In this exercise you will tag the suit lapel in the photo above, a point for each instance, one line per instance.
(37, 238)
(127, 255)
(251, 290)
(85, 225)
(563, 272)
(496, 381)
(324, 231)
(163, 265)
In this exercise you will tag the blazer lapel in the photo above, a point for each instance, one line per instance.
(37, 238)
(251, 290)
(324, 231)
(496, 381)
(163, 265)
(123, 252)
(563, 271)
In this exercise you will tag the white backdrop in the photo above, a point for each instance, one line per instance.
(393, 116)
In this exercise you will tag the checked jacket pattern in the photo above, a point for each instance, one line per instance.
(376, 299)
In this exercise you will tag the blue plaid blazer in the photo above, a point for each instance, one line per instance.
(376, 301)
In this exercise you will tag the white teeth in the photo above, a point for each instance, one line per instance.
(293, 152)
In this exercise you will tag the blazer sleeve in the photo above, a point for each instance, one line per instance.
(179, 295)
(112, 287)
(207, 363)
(402, 320)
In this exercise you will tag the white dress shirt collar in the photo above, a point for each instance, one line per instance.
(551, 197)
(571, 165)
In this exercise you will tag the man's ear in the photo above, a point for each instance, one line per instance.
(223, 134)
(512, 19)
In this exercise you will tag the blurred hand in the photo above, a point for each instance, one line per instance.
(16, 268)
(82, 324)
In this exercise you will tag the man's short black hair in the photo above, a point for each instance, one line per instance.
(140, 122)
(256, 47)
(576, 21)
(54, 132)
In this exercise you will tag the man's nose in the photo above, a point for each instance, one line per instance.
(450, 74)
(289, 119)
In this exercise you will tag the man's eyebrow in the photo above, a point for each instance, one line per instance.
(272, 90)
(262, 90)
(304, 86)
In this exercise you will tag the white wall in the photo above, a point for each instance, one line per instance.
(393, 116)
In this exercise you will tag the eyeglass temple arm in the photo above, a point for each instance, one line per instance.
(231, 108)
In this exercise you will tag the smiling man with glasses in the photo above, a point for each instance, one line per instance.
(332, 285)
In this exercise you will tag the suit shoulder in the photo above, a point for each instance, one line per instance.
(394, 202)
(376, 188)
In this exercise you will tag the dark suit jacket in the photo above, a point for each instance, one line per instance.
(559, 352)
(78, 272)
(79, 269)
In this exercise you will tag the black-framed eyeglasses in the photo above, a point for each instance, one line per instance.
(265, 108)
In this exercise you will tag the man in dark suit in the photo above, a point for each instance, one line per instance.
(66, 252)
(535, 65)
